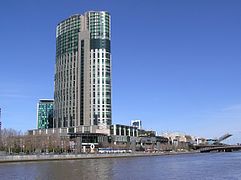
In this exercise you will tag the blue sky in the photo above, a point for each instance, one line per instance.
(176, 64)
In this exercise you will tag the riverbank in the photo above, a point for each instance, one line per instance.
(57, 157)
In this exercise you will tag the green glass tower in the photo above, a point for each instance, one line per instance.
(45, 114)
(83, 71)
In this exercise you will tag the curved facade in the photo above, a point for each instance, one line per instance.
(83, 71)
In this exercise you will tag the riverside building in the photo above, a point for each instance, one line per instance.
(45, 114)
(82, 97)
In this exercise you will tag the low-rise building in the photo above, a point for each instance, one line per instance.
(122, 134)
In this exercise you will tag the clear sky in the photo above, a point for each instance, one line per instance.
(176, 63)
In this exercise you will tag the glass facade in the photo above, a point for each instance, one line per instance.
(45, 114)
(66, 72)
(67, 35)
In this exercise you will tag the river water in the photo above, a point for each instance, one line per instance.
(181, 167)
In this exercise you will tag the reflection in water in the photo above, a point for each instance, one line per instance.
(78, 169)
(73, 169)
(192, 166)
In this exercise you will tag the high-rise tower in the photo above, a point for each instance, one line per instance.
(83, 71)
(45, 113)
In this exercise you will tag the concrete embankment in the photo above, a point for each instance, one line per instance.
(25, 158)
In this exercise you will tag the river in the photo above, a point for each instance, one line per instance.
(181, 167)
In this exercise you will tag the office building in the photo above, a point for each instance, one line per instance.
(83, 72)
(45, 113)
